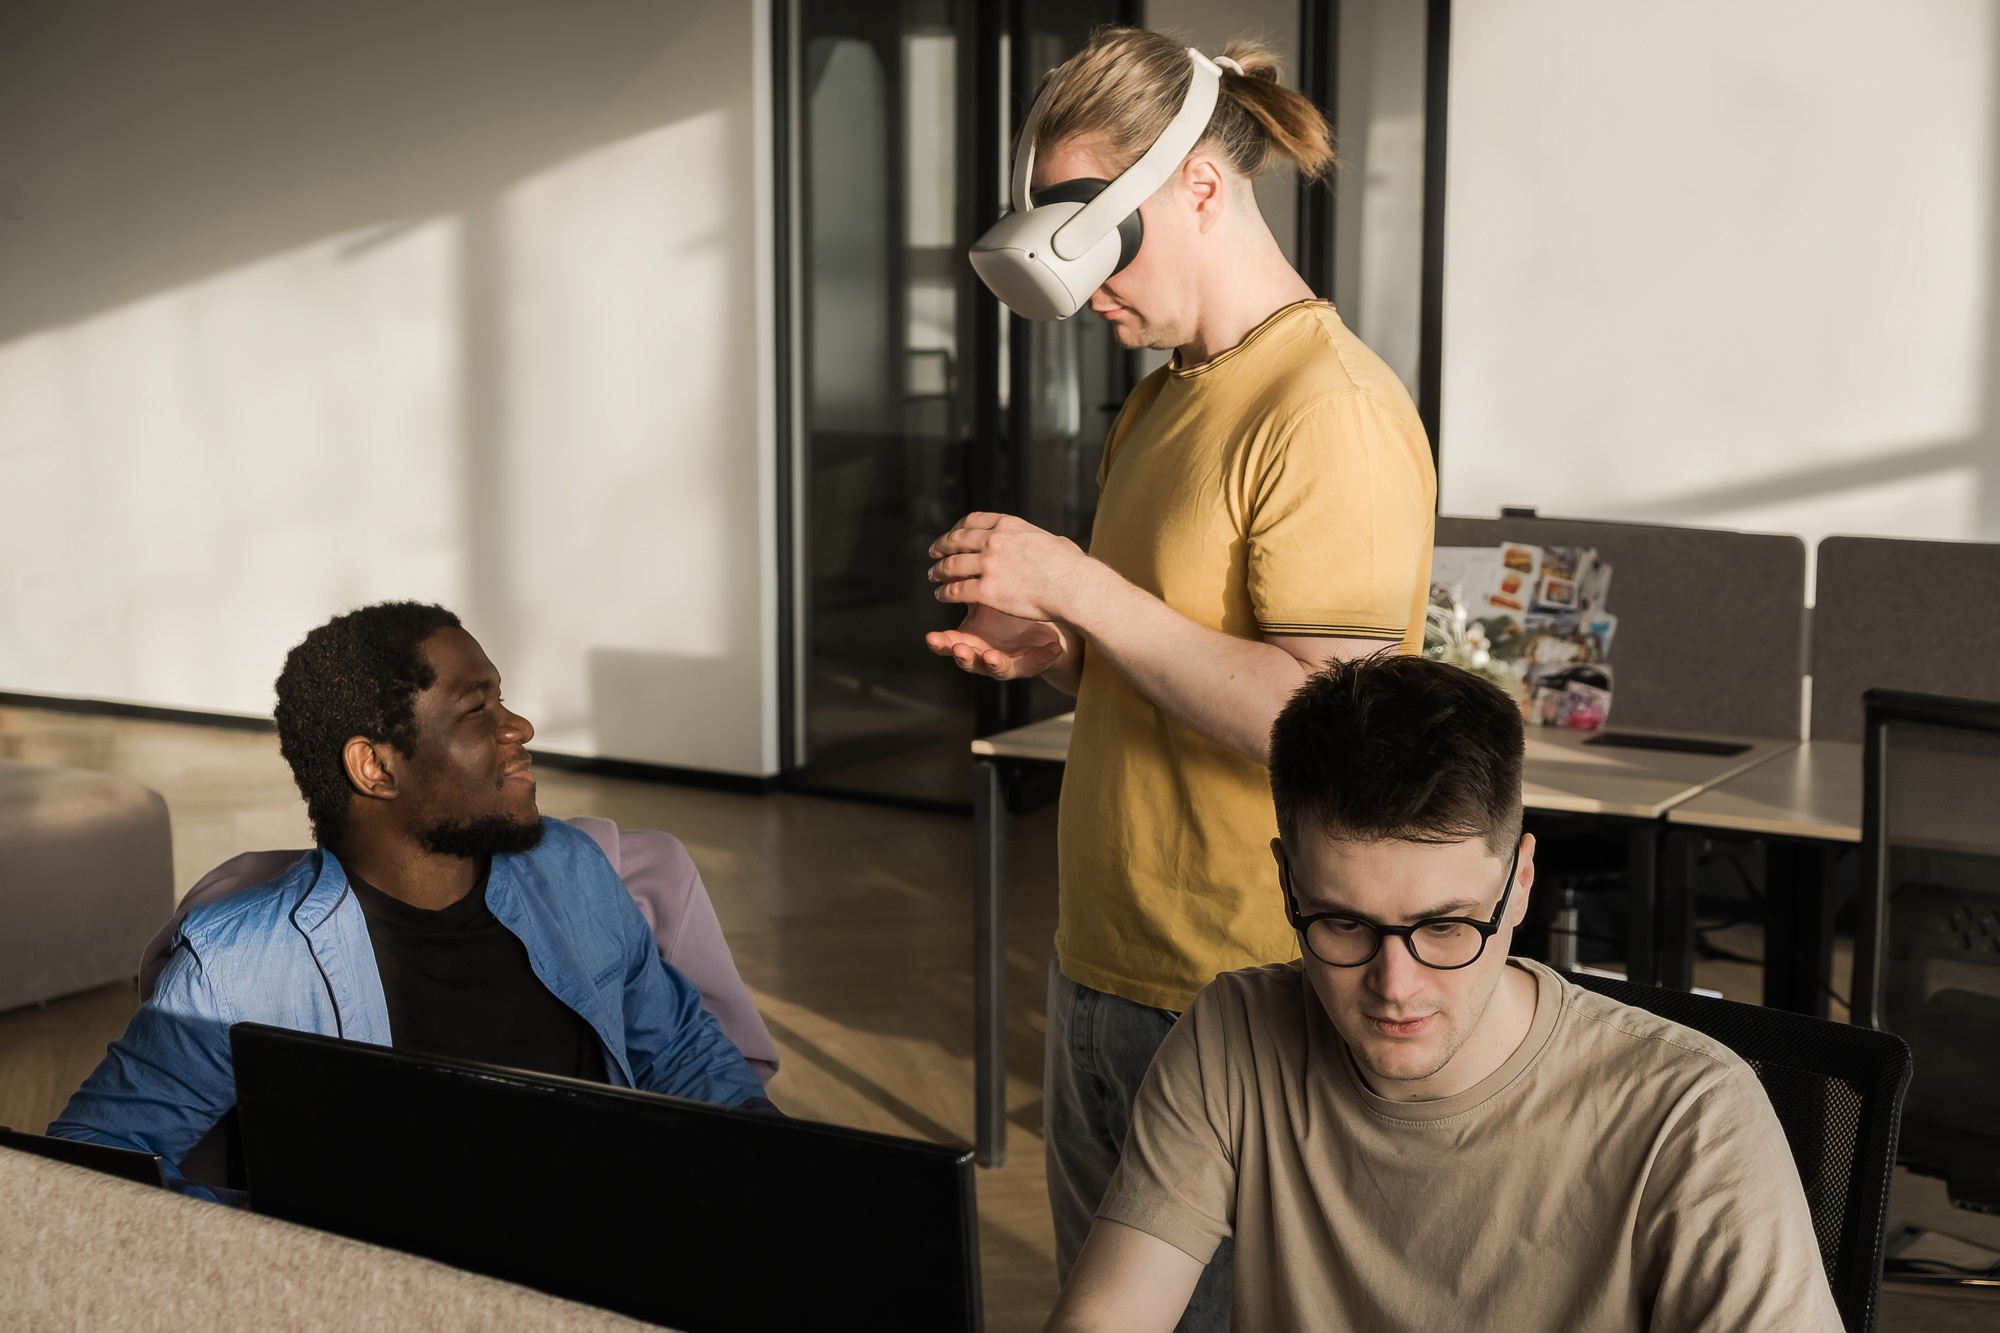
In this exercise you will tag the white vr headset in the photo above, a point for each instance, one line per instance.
(1048, 255)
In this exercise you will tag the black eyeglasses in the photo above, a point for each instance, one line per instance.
(1445, 943)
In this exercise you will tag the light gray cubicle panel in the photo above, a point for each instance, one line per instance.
(1711, 623)
(1903, 615)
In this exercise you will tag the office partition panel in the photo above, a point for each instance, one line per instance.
(1901, 615)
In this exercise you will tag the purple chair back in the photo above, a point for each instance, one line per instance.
(656, 871)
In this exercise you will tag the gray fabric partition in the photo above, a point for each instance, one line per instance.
(1901, 615)
(1711, 623)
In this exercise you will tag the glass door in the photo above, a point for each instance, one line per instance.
(1068, 378)
(914, 397)
(882, 411)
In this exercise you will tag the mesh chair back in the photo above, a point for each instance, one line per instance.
(1927, 946)
(1838, 1092)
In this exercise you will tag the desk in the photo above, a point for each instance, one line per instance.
(1808, 805)
(1046, 741)
(1568, 774)
(1634, 789)
(1813, 792)
(1565, 774)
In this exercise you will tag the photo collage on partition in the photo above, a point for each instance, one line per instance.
(1530, 618)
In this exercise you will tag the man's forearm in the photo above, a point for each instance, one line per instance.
(1225, 688)
(1067, 672)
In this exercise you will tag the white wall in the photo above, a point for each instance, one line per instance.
(307, 308)
(1725, 262)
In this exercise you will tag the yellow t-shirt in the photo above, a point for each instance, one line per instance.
(1283, 488)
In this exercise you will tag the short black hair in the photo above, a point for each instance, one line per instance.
(357, 675)
(1393, 748)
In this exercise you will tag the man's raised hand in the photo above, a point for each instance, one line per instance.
(995, 644)
(1011, 565)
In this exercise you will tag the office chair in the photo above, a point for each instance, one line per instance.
(1927, 937)
(1838, 1092)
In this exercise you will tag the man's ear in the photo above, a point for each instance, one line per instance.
(367, 771)
(1207, 189)
(1524, 881)
(1278, 851)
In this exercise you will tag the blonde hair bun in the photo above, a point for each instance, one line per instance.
(1126, 84)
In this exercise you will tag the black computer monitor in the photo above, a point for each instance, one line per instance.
(705, 1219)
(126, 1163)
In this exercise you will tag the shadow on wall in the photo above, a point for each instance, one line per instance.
(308, 307)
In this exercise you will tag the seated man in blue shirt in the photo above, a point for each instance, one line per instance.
(439, 913)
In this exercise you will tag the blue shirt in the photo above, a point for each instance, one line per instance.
(295, 953)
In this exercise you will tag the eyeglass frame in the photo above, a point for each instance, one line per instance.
(1487, 929)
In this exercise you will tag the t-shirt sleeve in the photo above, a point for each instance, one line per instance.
(1725, 1221)
(1177, 1177)
(1340, 523)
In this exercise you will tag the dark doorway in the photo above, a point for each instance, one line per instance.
(913, 397)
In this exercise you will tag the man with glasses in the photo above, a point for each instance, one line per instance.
(1407, 1129)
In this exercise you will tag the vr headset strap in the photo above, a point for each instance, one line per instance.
(1137, 182)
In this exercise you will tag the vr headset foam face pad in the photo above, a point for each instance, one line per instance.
(1083, 189)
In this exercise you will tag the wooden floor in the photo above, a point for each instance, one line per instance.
(849, 922)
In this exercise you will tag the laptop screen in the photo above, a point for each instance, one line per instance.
(704, 1219)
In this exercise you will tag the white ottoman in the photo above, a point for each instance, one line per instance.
(86, 877)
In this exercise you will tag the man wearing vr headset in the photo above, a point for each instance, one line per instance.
(1266, 507)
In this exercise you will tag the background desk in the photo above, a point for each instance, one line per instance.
(1806, 806)
(1632, 787)
(1812, 792)
(1567, 774)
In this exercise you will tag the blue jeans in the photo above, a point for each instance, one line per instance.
(1098, 1049)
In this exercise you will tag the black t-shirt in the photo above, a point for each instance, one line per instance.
(459, 983)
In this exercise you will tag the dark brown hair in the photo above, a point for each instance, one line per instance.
(1126, 84)
(1399, 748)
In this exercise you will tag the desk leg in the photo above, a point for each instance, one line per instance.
(1819, 900)
(1798, 927)
(1782, 873)
(989, 961)
(1642, 863)
(1678, 877)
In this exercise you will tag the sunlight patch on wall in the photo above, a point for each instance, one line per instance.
(193, 480)
(1695, 245)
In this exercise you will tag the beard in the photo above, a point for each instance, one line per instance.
(1148, 336)
(489, 835)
